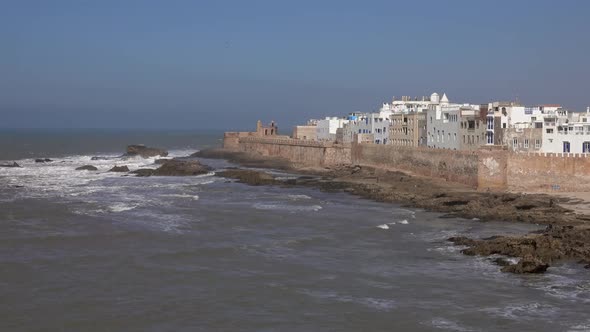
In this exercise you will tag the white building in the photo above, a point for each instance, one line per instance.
(326, 128)
(376, 124)
(567, 135)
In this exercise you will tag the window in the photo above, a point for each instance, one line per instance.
(586, 147)
(538, 124)
(549, 131)
(515, 142)
(537, 143)
(504, 125)
(566, 147)
(526, 143)
(490, 138)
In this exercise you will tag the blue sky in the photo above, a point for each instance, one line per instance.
(225, 64)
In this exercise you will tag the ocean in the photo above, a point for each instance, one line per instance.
(100, 251)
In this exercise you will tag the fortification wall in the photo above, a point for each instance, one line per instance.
(548, 172)
(300, 152)
(455, 166)
(487, 168)
(492, 167)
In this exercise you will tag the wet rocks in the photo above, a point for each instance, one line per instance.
(177, 167)
(119, 169)
(43, 160)
(144, 151)
(14, 164)
(161, 161)
(528, 264)
(251, 177)
(143, 172)
(87, 168)
(537, 249)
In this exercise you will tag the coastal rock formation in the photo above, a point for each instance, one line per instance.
(536, 250)
(119, 169)
(143, 172)
(87, 168)
(161, 161)
(144, 151)
(14, 164)
(177, 167)
(528, 264)
(251, 177)
(43, 160)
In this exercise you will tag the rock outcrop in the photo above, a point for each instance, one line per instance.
(87, 168)
(119, 169)
(43, 160)
(528, 264)
(161, 161)
(177, 167)
(14, 164)
(144, 151)
(536, 250)
(251, 177)
(143, 172)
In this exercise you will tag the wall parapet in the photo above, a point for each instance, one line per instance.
(287, 141)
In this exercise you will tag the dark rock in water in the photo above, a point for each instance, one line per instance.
(501, 261)
(144, 151)
(143, 172)
(175, 167)
(100, 158)
(528, 264)
(254, 178)
(119, 169)
(43, 160)
(14, 164)
(87, 168)
(161, 161)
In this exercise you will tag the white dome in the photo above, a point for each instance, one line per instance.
(435, 98)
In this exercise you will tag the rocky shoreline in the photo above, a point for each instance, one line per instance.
(567, 234)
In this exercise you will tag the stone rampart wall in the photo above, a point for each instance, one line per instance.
(305, 153)
(548, 172)
(487, 168)
(455, 166)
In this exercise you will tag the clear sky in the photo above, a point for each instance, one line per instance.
(225, 64)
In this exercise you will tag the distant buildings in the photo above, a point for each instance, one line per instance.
(437, 123)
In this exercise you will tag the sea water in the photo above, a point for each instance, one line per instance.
(100, 251)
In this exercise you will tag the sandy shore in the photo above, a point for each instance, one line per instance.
(568, 230)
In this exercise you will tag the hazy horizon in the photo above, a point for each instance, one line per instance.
(226, 64)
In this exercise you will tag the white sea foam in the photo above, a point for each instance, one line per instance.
(404, 222)
(121, 207)
(525, 310)
(298, 197)
(446, 324)
(384, 226)
(193, 197)
(286, 207)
